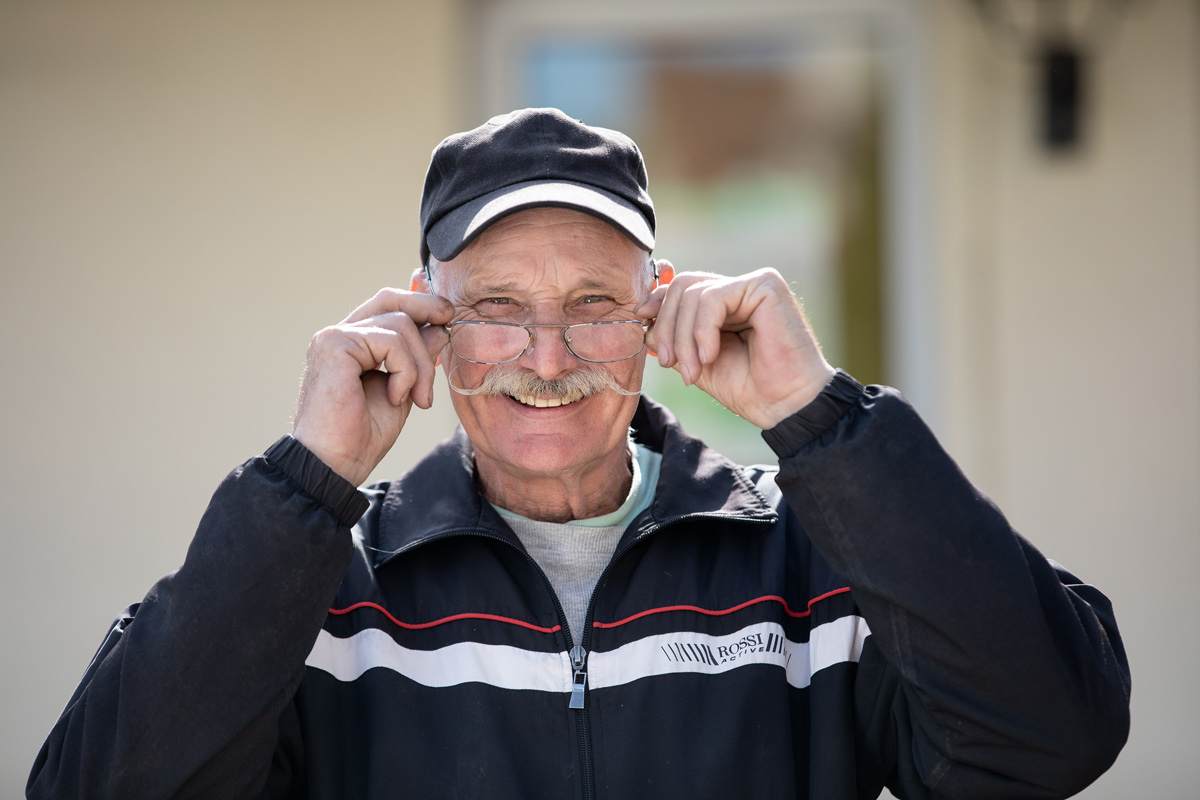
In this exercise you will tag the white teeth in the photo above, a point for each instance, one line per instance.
(547, 402)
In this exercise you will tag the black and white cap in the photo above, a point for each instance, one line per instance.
(532, 158)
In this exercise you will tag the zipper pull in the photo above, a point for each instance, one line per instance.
(579, 681)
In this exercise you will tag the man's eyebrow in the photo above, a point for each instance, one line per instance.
(490, 288)
(597, 283)
(508, 287)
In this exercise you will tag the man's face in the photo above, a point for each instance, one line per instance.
(546, 266)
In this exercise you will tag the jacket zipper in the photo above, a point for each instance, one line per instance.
(587, 767)
(578, 652)
(579, 656)
(578, 676)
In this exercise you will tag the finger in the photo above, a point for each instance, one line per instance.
(400, 386)
(666, 272)
(391, 341)
(423, 308)
(401, 369)
(648, 310)
(390, 353)
(331, 346)
(649, 307)
(435, 337)
(366, 347)
(687, 356)
(423, 362)
(718, 301)
(396, 345)
(377, 386)
(662, 333)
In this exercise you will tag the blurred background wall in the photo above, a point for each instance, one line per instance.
(187, 192)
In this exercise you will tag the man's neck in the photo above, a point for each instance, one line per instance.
(558, 497)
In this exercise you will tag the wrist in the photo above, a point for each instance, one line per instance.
(346, 467)
(316, 479)
(799, 398)
(840, 397)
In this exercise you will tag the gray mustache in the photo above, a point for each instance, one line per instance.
(509, 379)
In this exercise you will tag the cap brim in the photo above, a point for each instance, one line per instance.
(453, 232)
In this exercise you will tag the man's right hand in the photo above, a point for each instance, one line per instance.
(363, 376)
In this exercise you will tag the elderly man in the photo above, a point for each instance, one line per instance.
(572, 597)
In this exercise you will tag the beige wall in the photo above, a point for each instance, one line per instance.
(1071, 291)
(187, 192)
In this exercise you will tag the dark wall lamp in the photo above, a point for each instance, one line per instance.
(1060, 36)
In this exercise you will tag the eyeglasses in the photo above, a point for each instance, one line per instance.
(485, 342)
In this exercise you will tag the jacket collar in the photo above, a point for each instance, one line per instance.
(438, 497)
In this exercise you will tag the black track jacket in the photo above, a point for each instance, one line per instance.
(862, 616)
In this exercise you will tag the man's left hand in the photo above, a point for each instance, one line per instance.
(743, 340)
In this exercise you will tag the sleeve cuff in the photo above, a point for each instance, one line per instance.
(839, 396)
(317, 480)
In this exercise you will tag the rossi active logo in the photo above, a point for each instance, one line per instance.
(717, 654)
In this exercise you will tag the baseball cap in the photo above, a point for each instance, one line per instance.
(531, 158)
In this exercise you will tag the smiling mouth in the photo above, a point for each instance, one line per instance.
(547, 402)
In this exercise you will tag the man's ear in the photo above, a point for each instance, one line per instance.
(666, 273)
(419, 282)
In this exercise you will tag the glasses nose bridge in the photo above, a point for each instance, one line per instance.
(495, 352)
(532, 341)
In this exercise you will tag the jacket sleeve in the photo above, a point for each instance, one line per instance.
(185, 695)
(1003, 676)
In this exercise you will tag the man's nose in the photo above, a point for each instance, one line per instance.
(547, 354)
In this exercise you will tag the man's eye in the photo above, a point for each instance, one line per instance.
(498, 305)
(595, 298)
(505, 308)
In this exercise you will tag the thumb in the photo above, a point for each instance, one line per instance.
(435, 338)
(650, 307)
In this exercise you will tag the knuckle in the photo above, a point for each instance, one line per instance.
(321, 339)
(711, 297)
(398, 370)
(402, 357)
(772, 276)
(388, 293)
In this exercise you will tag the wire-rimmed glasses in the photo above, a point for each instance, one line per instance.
(486, 342)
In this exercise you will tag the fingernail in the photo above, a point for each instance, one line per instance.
(703, 358)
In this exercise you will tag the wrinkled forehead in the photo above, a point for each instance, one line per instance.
(536, 277)
(549, 249)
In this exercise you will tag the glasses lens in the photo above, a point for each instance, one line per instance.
(488, 342)
(606, 341)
